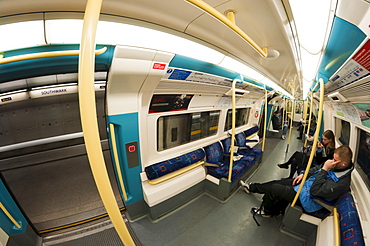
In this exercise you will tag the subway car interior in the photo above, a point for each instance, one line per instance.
(121, 120)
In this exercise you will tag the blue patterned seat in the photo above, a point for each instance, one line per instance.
(245, 149)
(215, 155)
(251, 131)
(162, 168)
(350, 225)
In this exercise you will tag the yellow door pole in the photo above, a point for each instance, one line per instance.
(89, 119)
(265, 123)
(291, 125)
(309, 120)
(305, 115)
(233, 114)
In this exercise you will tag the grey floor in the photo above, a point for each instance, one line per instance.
(207, 221)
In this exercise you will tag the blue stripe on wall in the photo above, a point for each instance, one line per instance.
(51, 65)
(188, 63)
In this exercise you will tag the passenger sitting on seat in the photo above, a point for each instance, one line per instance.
(276, 122)
(325, 150)
(329, 181)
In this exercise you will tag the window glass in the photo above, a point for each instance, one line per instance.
(242, 116)
(175, 130)
(344, 132)
(363, 156)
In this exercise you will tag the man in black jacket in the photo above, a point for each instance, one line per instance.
(328, 181)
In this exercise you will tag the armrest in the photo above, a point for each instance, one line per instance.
(175, 173)
(329, 205)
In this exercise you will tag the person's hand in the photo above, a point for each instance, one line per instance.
(319, 145)
(330, 164)
(297, 180)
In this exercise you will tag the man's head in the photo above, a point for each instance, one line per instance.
(344, 155)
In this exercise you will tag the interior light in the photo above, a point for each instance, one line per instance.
(64, 31)
(311, 30)
(309, 64)
(276, 87)
(306, 88)
(241, 68)
(21, 34)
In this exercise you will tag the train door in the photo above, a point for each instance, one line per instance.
(43, 161)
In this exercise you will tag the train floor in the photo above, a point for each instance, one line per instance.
(207, 221)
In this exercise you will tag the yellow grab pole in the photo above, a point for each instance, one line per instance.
(46, 55)
(291, 125)
(314, 141)
(89, 119)
(231, 161)
(336, 227)
(231, 16)
(304, 116)
(216, 14)
(309, 120)
(283, 116)
(265, 123)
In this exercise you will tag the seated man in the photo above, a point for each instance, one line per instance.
(329, 181)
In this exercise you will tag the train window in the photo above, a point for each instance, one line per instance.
(242, 116)
(344, 132)
(363, 156)
(175, 130)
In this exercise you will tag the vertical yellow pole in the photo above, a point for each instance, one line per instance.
(231, 161)
(291, 125)
(309, 120)
(313, 151)
(89, 119)
(336, 227)
(283, 116)
(305, 115)
(265, 123)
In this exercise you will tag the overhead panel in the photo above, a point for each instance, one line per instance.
(344, 39)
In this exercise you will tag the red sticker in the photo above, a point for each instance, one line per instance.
(160, 66)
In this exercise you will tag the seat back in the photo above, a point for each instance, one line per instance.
(164, 167)
(214, 153)
(350, 225)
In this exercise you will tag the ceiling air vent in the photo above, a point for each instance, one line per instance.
(337, 97)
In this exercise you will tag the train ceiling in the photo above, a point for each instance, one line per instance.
(269, 23)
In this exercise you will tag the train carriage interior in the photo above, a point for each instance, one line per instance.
(139, 122)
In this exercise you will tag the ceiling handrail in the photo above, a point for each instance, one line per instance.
(213, 12)
(46, 55)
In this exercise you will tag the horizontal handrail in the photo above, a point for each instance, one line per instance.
(251, 136)
(175, 173)
(213, 12)
(2, 207)
(41, 141)
(46, 55)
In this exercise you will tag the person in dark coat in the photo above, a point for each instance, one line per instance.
(325, 150)
(328, 181)
(276, 122)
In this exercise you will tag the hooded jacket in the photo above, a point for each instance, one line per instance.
(325, 184)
